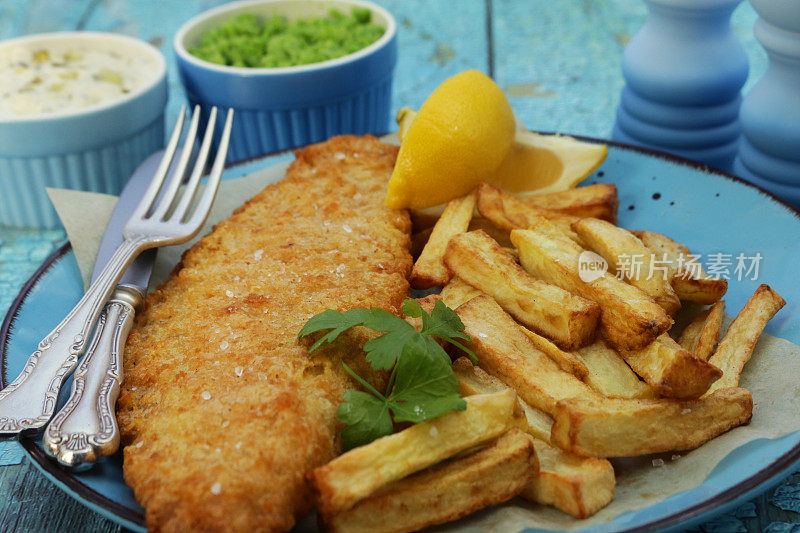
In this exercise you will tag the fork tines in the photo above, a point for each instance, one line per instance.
(158, 202)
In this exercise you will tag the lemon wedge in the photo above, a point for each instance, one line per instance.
(445, 154)
(460, 136)
(536, 163)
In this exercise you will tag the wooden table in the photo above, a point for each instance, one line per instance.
(558, 61)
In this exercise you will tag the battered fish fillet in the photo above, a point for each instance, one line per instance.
(222, 410)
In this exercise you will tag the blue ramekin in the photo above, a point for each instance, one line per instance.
(95, 148)
(279, 108)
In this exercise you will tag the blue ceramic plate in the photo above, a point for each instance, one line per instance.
(707, 210)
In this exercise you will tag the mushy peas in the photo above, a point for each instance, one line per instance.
(247, 41)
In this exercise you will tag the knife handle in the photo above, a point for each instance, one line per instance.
(29, 401)
(86, 428)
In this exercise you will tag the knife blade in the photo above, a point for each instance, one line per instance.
(86, 429)
(138, 274)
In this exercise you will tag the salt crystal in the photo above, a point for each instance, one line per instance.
(686, 411)
(355, 155)
(140, 444)
(238, 445)
(216, 488)
(229, 294)
(658, 462)
(237, 278)
(484, 335)
(134, 388)
(347, 228)
(339, 155)
(226, 423)
(206, 395)
(258, 254)
(239, 370)
(223, 345)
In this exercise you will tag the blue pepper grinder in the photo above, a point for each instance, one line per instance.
(684, 71)
(769, 153)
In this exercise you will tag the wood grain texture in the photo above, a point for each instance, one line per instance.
(560, 62)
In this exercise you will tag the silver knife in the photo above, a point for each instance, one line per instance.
(86, 427)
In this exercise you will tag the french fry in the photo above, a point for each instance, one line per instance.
(672, 252)
(429, 271)
(737, 345)
(566, 361)
(704, 291)
(576, 485)
(701, 335)
(457, 291)
(687, 277)
(358, 473)
(671, 370)
(598, 200)
(445, 492)
(474, 380)
(508, 212)
(500, 235)
(627, 255)
(506, 352)
(579, 486)
(623, 428)
(629, 318)
(567, 319)
(610, 375)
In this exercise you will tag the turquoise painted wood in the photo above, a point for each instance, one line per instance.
(559, 62)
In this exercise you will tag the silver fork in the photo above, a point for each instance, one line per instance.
(29, 401)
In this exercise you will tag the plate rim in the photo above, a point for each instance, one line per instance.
(127, 517)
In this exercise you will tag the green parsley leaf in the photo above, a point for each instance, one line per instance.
(422, 384)
(336, 321)
(425, 386)
(443, 323)
(366, 416)
(382, 352)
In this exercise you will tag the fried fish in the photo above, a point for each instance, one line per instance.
(222, 409)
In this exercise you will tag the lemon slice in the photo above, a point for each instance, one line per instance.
(540, 164)
(536, 163)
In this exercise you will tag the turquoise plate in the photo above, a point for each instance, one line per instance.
(708, 210)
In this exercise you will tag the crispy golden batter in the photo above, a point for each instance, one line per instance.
(222, 410)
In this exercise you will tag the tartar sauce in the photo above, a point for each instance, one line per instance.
(36, 80)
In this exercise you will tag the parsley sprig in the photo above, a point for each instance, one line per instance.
(422, 384)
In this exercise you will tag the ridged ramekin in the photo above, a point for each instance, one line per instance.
(279, 108)
(95, 148)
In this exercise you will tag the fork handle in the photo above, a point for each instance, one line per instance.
(29, 401)
(85, 428)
